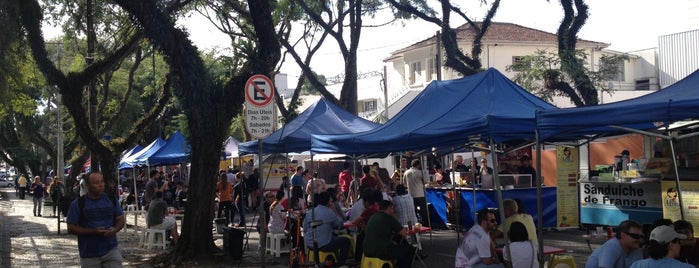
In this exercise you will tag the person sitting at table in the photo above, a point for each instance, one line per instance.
(323, 233)
(332, 192)
(277, 214)
(663, 249)
(385, 237)
(620, 251)
(689, 251)
(511, 210)
(440, 176)
(476, 248)
(404, 207)
(521, 253)
(157, 216)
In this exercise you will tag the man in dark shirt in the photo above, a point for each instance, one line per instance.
(526, 168)
(380, 233)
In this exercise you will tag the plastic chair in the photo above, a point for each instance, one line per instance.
(562, 261)
(275, 243)
(322, 254)
(370, 262)
(154, 238)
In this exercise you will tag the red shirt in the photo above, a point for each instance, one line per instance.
(345, 179)
(369, 181)
(368, 212)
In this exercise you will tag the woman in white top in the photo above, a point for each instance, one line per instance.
(277, 214)
(521, 252)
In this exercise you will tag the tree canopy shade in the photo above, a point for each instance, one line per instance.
(323, 117)
(446, 113)
(677, 102)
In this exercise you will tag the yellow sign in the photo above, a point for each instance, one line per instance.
(567, 186)
(690, 201)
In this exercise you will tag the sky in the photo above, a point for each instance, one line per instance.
(627, 25)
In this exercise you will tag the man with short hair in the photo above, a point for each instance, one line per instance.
(325, 213)
(368, 179)
(157, 217)
(689, 250)
(526, 168)
(620, 251)
(415, 180)
(385, 237)
(510, 209)
(476, 248)
(151, 186)
(345, 179)
(96, 220)
(297, 178)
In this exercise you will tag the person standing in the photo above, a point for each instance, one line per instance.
(385, 237)
(416, 181)
(157, 217)
(22, 182)
(38, 191)
(298, 179)
(527, 169)
(345, 179)
(95, 219)
(663, 249)
(151, 186)
(56, 190)
(239, 197)
(224, 192)
(620, 251)
(476, 248)
(253, 183)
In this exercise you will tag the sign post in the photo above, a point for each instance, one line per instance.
(260, 122)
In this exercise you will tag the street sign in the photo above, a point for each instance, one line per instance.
(260, 111)
(259, 90)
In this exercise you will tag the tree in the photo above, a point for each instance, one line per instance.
(71, 85)
(209, 101)
(535, 73)
(455, 58)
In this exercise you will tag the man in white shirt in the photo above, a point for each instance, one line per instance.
(416, 187)
(476, 248)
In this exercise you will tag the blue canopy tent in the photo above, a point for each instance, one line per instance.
(174, 151)
(676, 102)
(140, 157)
(323, 117)
(642, 115)
(448, 114)
(130, 152)
(445, 114)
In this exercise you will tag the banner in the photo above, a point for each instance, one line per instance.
(609, 203)
(690, 201)
(566, 186)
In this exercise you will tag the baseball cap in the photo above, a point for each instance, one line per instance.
(665, 234)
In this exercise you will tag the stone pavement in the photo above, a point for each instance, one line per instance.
(28, 241)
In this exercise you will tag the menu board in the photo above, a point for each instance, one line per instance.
(690, 201)
(566, 186)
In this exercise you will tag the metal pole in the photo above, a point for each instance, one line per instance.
(263, 230)
(677, 177)
(539, 202)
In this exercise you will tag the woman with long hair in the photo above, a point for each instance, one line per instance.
(224, 192)
(277, 215)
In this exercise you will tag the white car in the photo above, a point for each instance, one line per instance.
(7, 182)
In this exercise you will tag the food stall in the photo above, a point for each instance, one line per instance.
(443, 211)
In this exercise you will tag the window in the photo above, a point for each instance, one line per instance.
(643, 84)
(615, 69)
(431, 70)
(370, 105)
(415, 72)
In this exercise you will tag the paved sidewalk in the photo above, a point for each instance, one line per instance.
(28, 241)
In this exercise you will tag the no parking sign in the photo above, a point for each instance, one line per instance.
(259, 107)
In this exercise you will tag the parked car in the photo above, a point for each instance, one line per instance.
(7, 182)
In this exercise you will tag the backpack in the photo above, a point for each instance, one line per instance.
(81, 205)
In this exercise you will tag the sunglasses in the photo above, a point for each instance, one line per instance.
(635, 236)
